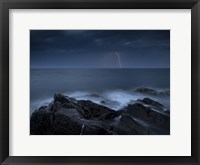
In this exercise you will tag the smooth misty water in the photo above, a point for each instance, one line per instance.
(113, 84)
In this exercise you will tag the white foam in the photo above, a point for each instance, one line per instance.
(38, 103)
(121, 98)
(115, 99)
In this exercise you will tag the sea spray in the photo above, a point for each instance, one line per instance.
(82, 129)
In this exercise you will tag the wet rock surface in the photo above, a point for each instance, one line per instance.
(149, 116)
(154, 92)
(68, 116)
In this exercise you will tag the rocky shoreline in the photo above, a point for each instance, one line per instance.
(68, 116)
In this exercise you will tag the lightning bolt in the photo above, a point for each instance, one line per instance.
(118, 58)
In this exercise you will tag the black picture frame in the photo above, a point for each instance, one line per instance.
(5, 5)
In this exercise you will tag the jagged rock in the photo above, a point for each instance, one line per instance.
(165, 92)
(148, 115)
(68, 116)
(41, 122)
(92, 110)
(146, 91)
(154, 92)
(151, 102)
(66, 122)
(95, 130)
(61, 98)
(128, 126)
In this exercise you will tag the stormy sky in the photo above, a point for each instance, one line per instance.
(100, 48)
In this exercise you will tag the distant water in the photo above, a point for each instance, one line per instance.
(95, 84)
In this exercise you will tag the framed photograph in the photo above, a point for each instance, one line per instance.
(110, 82)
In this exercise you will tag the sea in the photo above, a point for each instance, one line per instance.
(116, 86)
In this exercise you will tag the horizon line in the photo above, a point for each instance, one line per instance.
(100, 68)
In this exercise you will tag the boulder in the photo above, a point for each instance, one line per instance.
(67, 123)
(154, 92)
(41, 122)
(165, 92)
(128, 126)
(151, 102)
(68, 116)
(148, 115)
(146, 91)
(92, 110)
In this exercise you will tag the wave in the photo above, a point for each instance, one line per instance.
(114, 99)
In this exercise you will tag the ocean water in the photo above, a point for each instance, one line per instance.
(114, 85)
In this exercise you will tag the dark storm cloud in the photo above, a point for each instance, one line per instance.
(100, 48)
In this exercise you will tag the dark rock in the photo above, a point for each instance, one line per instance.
(128, 126)
(167, 111)
(61, 98)
(40, 122)
(148, 115)
(67, 123)
(61, 101)
(154, 92)
(146, 91)
(103, 102)
(151, 102)
(92, 110)
(109, 103)
(95, 130)
(165, 92)
(68, 116)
